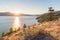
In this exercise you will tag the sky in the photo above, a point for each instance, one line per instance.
(29, 6)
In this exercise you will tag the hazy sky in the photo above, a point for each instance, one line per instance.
(29, 6)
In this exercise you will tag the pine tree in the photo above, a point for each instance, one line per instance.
(50, 14)
(24, 26)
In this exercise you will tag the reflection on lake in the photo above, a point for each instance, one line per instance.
(16, 23)
(8, 21)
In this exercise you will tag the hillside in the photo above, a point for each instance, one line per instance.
(44, 31)
(48, 16)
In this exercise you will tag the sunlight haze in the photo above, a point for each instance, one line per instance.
(28, 6)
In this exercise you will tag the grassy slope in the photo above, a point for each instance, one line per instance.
(44, 31)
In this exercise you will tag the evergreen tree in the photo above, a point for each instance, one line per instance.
(24, 26)
(50, 14)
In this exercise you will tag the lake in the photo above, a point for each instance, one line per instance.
(7, 21)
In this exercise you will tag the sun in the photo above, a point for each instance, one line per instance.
(16, 12)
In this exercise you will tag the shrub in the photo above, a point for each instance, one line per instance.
(4, 34)
(11, 30)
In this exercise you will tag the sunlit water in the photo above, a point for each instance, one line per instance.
(10, 21)
(16, 23)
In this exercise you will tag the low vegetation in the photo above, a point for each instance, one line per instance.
(4, 34)
(10, 32)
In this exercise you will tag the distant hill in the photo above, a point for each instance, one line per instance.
(48, 16)
(11, 14)
(57, 13)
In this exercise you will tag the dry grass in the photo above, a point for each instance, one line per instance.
(51, 27)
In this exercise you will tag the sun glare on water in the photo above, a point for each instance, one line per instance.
(16, 23)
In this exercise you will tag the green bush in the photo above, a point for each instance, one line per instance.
(4, 34)
(11, 30)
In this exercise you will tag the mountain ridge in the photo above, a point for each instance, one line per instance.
(12, 14)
